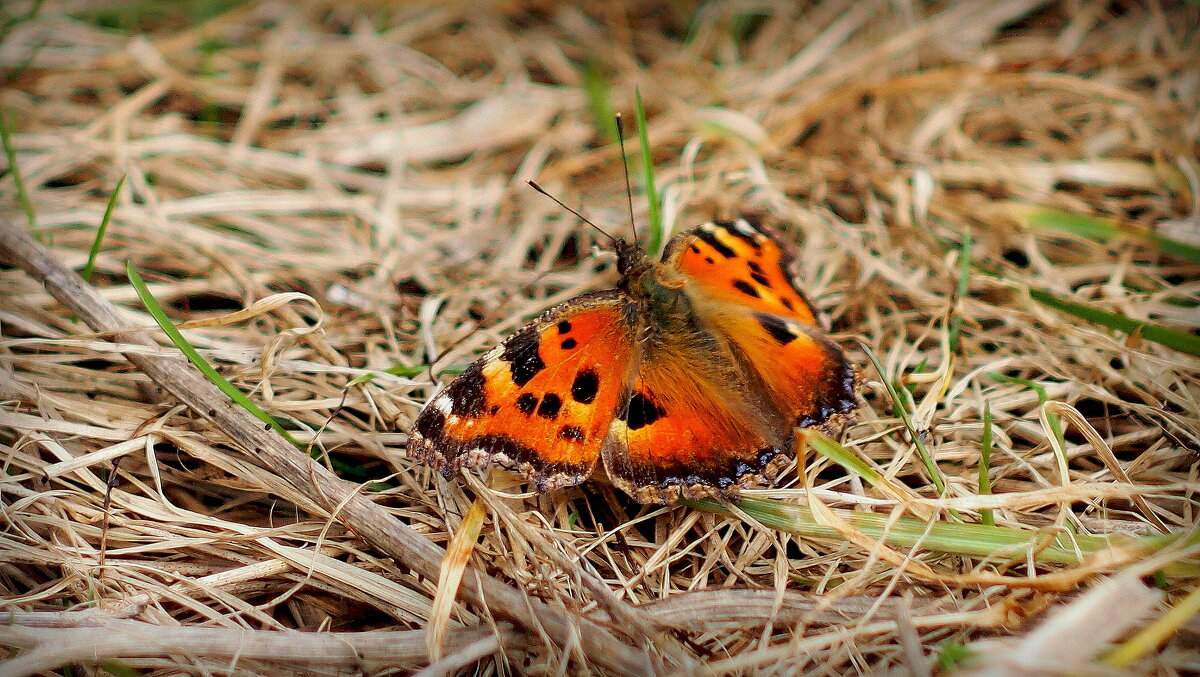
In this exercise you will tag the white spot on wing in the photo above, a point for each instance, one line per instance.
(743, 226)
(442, 404)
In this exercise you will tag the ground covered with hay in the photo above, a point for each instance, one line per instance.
(994, 202)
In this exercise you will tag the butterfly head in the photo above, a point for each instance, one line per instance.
(632, 263)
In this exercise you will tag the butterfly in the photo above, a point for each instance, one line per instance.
(687, 380)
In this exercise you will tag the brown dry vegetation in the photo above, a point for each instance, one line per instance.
(353, 173)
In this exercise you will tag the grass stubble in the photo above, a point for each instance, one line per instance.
(995, 203)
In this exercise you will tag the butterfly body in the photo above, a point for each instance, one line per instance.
(687, 380)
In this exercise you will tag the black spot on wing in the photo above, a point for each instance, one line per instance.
(466, 394)
(572, 433)
(550, 406)
(527, 402)
(641, 411)
(585, 386)
(787, 303)
(564, 326)
(758, 274)
(746, 288)
(521, 353)
(777, 327)
(431, 423)
(731, 228)
(568, 344)
(711, 240)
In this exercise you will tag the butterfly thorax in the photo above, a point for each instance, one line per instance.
(655, 288)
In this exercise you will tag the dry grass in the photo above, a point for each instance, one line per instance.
(359, 169)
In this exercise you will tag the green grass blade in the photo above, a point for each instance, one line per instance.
(973, 540)
(953, 654)
(862, 467)
(196, 359)
(1171, 338)
(117, 668)
(365, 378)
(964, 288)
(1174, 247)
(746, 23)
(95, 251)
(1083, 225)
(1056, 429)
(596, 88)
(655, 242)
(1055, 423)
(844, 457)
(901, 408)
(18, 182)
(987, 515)
(1099, 228)
(398, 370)
(410, 372)
(696, 19)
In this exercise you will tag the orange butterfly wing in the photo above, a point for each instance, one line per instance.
(746, 293)
(805, 374)
(732, 262)
(539, 404)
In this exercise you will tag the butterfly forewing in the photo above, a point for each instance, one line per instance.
(540, 403)
(732, 262)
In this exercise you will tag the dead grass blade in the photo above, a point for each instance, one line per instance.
(325, 198)
(458, 553)
(1106, 455)
(360, 514)
(1073, 634)
(49, 647)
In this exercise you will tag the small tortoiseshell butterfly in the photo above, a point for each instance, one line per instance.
(688, 379)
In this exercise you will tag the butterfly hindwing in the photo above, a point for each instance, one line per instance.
(804, 374)
(688, 428)
(541, 403)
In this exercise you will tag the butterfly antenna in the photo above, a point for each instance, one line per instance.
(628, 187)
(562, 204)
